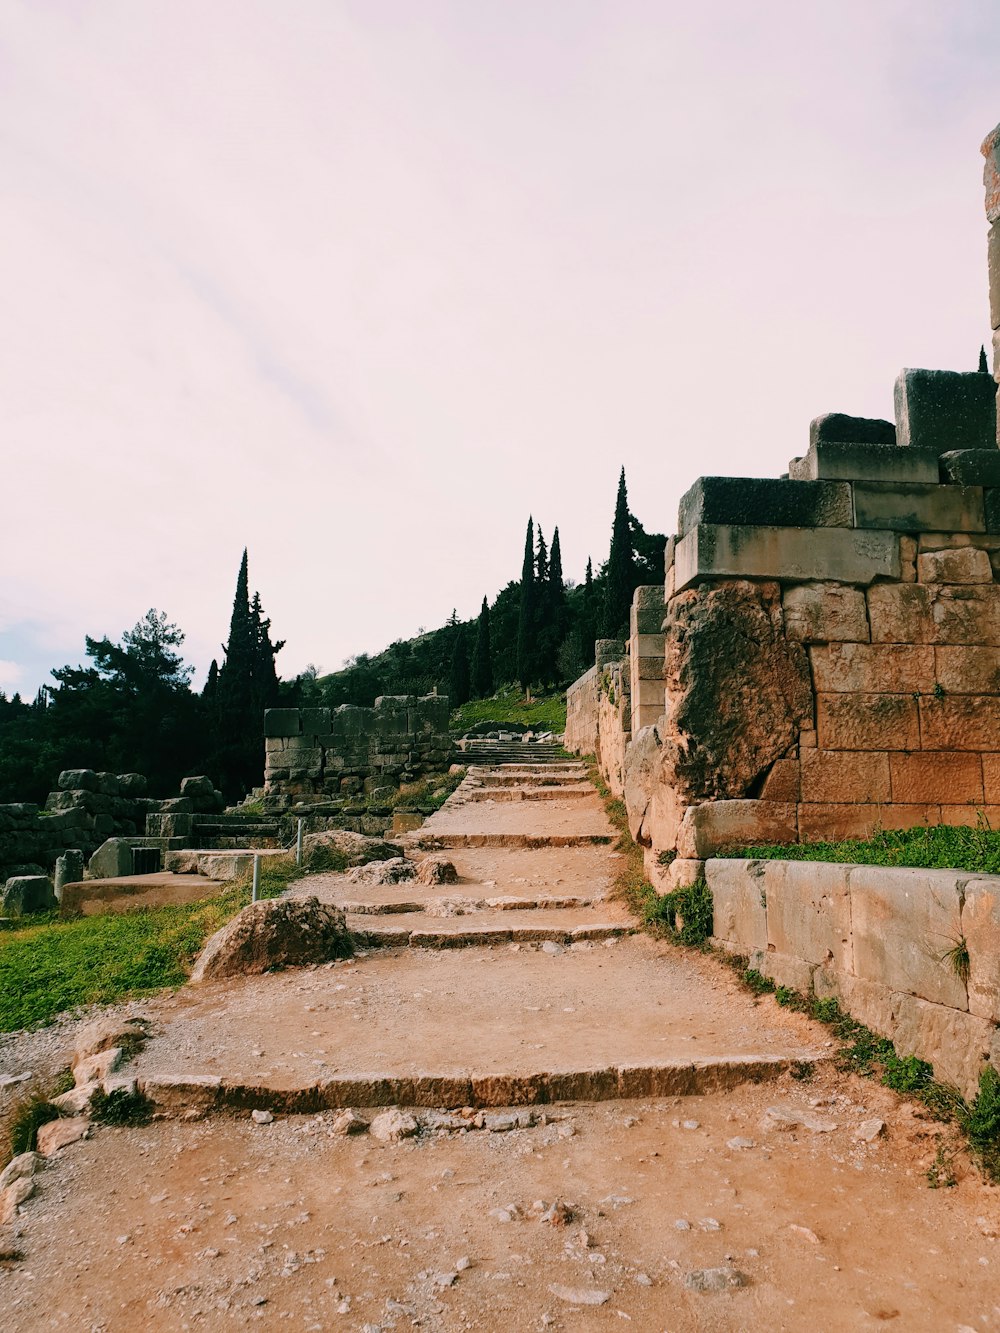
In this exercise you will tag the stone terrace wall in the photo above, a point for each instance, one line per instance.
(598, 713)
(582, 699)
(319, 752)
(876, 940)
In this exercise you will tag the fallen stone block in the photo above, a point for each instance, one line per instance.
(25, 894)
(11, 1198)
(274, 933)
(112, 860)
(21, 1167)
(59, 1134)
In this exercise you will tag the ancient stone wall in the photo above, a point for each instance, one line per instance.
(582, 700)
(320, 752)
(881, 942)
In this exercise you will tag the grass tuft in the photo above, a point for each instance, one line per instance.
(942, 847)
(120, 1107)
(27, 1120)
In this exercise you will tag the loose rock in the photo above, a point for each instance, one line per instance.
(393, 1125)
(715, 1279)
(278, 932)
(59, 1134)
(579, 1295)
(349, 1122)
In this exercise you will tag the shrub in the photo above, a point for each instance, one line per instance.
(120, 1107)
(28, 1119)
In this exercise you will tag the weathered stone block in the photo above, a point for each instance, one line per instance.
(945, 410)
(839, 555)
(607, 652)
(132, 784)
(738, 913)
(935, 613)
(112, 859)
(872, 668)
(766, 502)
(910, 507)
(79, 779)
(903, 922)
(964, 564)
(313, 721)
(991, 778)
(108, 784)
(167, 826)
(809, 911)
(834, 822)
(69, 870)
(783, 782)
(993, 264)
(957, 1044)
(641, 770)
(845, 776)
(648, 609)
(281, 722)
(718, 826)
(868, 722)
(195, 787)
(981, 931)
(960, 722)
(845, 429)
(787, 970)
(827, 460)
(825, 613)
(991, 174)
(873, 1004)
(971, 467)
(24, 894)
(928, 777)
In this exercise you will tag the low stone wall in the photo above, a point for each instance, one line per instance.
(582, 700)
(320, 751)
(880, 941)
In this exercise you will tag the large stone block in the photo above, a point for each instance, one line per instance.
(960, 722)
(991, 174)
(845, 429)
(829, 461)
(957, 1044)
(872, 668)
(838, 555)
(833, 822)
(24, 894)
(111, 860)
(825, 613)
(991, 778)
(783, 782)
(910, 507)
(903, 923)
(281, 722)
(963, 564)
(641, 772)
(648, 609)
(786, 969)
(766, 502)
(935, 613)
(809, 911)
(739, 915)
(868, 722)
(981, 932)
(719, 826)
(945, 410)
(845, 776)
(927, 777)
(870, 1002)
(77, 779)
(971, 467)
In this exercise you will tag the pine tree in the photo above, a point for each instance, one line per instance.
(458, 679)
(984, 368)
(619, 582)
(526, 613)
(482, 657)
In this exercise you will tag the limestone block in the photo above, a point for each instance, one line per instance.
(930, 777)
(911, 507)
(900, 613)
(967, 670)
(809, 911)
(314, 720)
(971, 467)
(981, 931)
(839, 555)
(845, 777)
(868, 722)
(991, 778)
(647, 610)
(281, 722)
(903, 921)
(870, 1002)
(783, 782)
(993, 264)
(833, 822)
(177, 805)
(945, 410)
(78, 779)
(349, 721)
(717, 826)
(960, 722)
(111, 860)
(843, 668)
(108, 784)
(682, 873)
(132, 784)
(851, 430)
(195, 788)
(69, 870)
(825, 613)
(787, 970)
(965, 564)
(274, 747)
(762, 501)
(649, 645)
(641, 771)
(991, 174)
(831, 461)
(24, 894)
(957, 1044)
(607, 652)
(168, 826)
(738, 911)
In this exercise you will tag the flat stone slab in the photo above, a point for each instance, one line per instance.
(493, 926)
(524, 823)
(131, 892)
(501, 1021)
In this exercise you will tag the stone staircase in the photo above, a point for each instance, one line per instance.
(234, 833)
(509, 752)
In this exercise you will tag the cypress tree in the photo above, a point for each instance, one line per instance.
(526, 612)
(458, 679)
(984, 368)
(541, 561)
(619, 581)
(482, 657)
(587, 628)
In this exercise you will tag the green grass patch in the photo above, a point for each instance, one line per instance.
(54, 965)
(943, 847)
(429, 792)
(546, 712)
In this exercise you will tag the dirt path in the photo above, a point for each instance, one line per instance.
(558, 1213)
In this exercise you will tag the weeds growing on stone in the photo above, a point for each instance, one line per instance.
(120, 1107)
(27, 1120)
(944, 847)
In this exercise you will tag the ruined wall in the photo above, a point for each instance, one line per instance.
(875, 939)
(320, 752)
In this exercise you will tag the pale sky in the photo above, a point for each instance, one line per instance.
(360, 283)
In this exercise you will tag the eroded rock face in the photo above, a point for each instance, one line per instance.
(738, 689)
(279, 932)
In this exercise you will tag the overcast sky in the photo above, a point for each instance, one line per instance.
(360, 283)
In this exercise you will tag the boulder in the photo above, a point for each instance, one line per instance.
(78, 779)
(394, 871)
(13, 1196)
(392, 1125)
(24, 894)
(111, 860)
(642, 764)
(59, 1134)
(108, 784)
(437, 870)
(20, 1168)
(278, 932)
(358, 848)
(197, 786)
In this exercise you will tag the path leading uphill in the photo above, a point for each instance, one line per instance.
(594, 1128)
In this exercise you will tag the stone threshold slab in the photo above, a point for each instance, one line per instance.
(460, 935)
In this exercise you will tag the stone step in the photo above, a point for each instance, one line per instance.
(514, 777)
(563, 793)
(429, 842)
(237, 842)
(438, 907)
(559, 926)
